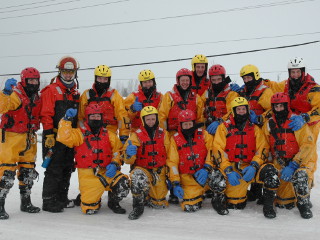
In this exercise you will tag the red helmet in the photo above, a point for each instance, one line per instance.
(186, 116)
(68, 63)
(183, 72)
(217, 70)
(93, 109)
(280, 98)
(29, 72)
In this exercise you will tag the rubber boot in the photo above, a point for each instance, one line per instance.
(268, 209)
(219, 203)
(113, 204)
(138, 208)
(304, 208)
(3, 214)
(52, 205)
(26, 205)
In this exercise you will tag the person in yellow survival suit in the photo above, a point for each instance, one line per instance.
(115, 116)
(20, 109)
(200, 83)
(97, 159)
(292, 153)
(146, 151)
(147, 95)
(186, 161)
(238, 152)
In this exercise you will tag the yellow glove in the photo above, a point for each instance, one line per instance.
(50, 141)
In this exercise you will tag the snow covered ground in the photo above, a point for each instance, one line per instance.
(170, 223)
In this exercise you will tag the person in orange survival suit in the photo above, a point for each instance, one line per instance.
(146, 151)
(20, 109)
(147, 95)
(56, 98)
(239, 149)
(115, 116)
(97, 159)
(292, 153)
(181, 97)
(200, 82)
(186, 161)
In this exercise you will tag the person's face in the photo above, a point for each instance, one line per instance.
(278, 107)
(102, 79)
(184, 82)
(68, 75)
(150, 120)
(95, 116)
(33, 81)
(187, 125)
(295, 73)
(247, 78)
(216, 79)
(241, 110)
(200, 69)
(147, 84)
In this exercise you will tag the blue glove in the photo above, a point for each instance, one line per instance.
(178, 191)
(131, 149)
(111, 170)
(253, 117)
(287, 172)
(123, 138)
(10, 83)
(235, 87)
(201, 176)
(248, 173)
(212, 128)
(70, 113)
(298, 121)
(233, 177)
(137, 106)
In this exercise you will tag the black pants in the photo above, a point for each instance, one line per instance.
(57, 175)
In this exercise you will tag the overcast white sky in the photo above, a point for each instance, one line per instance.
(102, 45)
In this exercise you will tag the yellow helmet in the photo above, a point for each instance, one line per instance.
(238, 101)
(148, 110)
(146, 75)
(102, 71)
(247, 69)
(198, 59)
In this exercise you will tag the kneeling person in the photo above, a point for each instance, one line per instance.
(97, 159)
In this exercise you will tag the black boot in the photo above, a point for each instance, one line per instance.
(3, 214)
(138, 208)
(26, 205)
(255, 193)
(52, 205)
(268, 209)
(113, 204)
(77, 201)
(172, 198)
(304, 208)
(219, 203)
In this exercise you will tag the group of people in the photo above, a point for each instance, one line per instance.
(206, 138)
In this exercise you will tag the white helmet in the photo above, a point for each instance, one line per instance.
(296, 62)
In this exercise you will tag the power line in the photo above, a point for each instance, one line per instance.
(162, 46)
(34, 7)
(157, 19)
(63, 10)
(183, 59)
(27, 4)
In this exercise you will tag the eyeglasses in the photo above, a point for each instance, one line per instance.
(67, 71)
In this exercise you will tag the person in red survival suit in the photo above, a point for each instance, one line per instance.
(56, 98)
(97, 159)
(20, 109)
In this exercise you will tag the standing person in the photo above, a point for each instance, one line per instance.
(239, 148)
(56, 98)
(147, 95)
(97, 157)
(293, 161)
(20, 109)
(217, 99)
(186, 161)
(146, 151)
(179, 98)
(258, 95)
(115, 117)
(200, 82)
